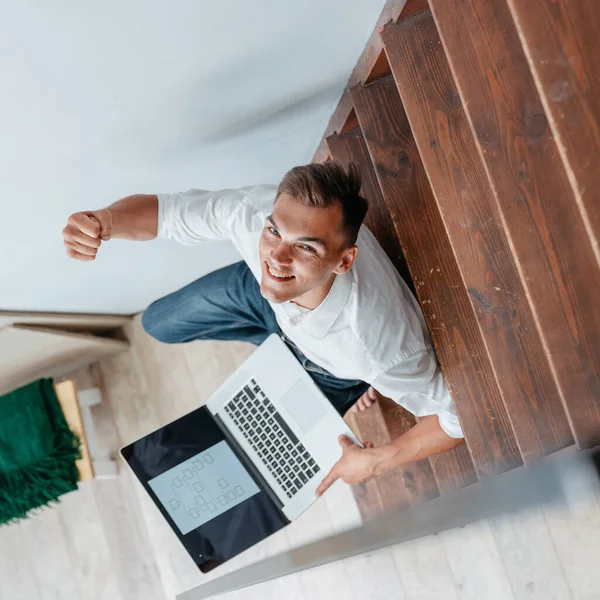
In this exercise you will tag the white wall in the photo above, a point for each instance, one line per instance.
(103, 99)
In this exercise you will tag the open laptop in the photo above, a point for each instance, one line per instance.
(231, 473)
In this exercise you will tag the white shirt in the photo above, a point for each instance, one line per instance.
(369, 327)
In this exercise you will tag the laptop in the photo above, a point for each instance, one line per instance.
(230, 473)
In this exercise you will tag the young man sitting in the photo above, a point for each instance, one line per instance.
(311, 273)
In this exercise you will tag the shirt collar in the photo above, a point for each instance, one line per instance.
(319, 322)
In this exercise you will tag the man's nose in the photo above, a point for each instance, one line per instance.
(281, 255)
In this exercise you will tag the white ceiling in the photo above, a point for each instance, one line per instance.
(101, 100)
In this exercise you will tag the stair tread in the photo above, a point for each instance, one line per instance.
(557, 37)
(539, 211)
(444, 301)
(465, 200)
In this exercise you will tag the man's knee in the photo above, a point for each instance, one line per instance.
(157, 322)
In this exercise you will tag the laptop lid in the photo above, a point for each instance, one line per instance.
(205, 488)
(284, 410)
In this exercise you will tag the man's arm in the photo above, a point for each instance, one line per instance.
(135, 217)
(418, 385)
(132, 218)
(357, 464)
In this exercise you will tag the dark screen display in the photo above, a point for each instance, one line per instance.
(240, 524)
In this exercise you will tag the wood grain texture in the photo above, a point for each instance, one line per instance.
(412, 8)
(393, 486)
(351, 147)
(454, 469)
(85, 542)
(446, 307)
(66, 392)
(126, 536)
(375, 575)
(361, 72)
(418, 476)
(544, 226)
(55, 574)
(15, 572)
(380, 69)
(475, 563)
(367, 495)
(575, 530)
(426, 479)
(70, 552)
(424, 569)
(464, 198)
(529, 556)
(561, 42)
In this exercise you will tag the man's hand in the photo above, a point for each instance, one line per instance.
(357, 464)
(85, 232)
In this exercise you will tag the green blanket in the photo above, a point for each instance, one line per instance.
(37, 450)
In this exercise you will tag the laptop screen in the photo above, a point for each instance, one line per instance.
(203, 487)
(200, 484)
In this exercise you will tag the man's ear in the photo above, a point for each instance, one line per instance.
(348, 259)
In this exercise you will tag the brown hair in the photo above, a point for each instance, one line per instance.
(323, 184)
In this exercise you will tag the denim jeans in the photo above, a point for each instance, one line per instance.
(227, 305)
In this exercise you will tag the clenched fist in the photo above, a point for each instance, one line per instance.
(85, 232)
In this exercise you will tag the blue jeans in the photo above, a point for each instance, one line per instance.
(227, 305)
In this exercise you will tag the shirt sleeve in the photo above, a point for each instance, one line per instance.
(196, 216)
(417, 384)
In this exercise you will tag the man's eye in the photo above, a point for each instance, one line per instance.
(272, 230)
(308, 248)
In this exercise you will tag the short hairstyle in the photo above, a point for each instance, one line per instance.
(324, 184)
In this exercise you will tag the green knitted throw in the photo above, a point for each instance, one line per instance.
(37, 451)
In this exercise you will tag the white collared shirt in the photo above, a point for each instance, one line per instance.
(369, 327)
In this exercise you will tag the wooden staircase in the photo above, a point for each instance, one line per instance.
(476, 126)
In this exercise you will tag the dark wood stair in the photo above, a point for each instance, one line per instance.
(480, 196)
(540, 215)
(471, 220)
(561, 43)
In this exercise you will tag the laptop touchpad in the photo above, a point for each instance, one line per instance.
(303, 404)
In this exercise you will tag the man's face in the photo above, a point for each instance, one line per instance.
(301, 249)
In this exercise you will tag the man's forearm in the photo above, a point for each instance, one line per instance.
(135, 217)
(423, 440)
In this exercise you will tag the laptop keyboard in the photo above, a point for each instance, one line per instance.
(290, 463)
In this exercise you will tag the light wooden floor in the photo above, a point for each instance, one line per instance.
(107, 541)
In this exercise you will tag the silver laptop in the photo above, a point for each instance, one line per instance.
(232, 472)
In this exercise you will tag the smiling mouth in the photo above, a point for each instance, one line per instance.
(277, 275)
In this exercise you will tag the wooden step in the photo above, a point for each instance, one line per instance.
(446, 305)
(412, 484)
(403, 486)
(393, 10)
(453, 469)
(538, 210)
(470, 217)
(351, 147)
(396, 490)
(367, 495)
(560, 40)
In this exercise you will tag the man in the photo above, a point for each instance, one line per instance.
(312, 274)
